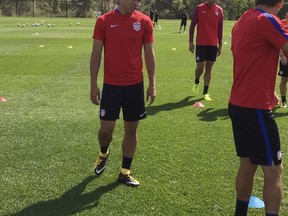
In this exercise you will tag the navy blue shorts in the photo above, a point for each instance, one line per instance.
(183, 22)
(256, 135)
(206, 53)
(128, 98)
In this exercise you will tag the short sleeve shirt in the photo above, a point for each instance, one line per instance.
(209, 22)
(123, 37)
(256, 41)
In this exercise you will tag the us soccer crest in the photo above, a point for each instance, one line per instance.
(136, 26)
(102, 112)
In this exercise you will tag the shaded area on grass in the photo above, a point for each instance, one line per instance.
(70, 202)
(213, 115)
(153, 110)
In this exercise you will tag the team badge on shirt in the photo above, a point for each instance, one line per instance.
(136, 26)
(217, 12)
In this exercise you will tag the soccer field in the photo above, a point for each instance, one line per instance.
(185, 160)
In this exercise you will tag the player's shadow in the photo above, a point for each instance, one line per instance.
(153, 110)
(279, 114)
(211, 114)
(71, 202)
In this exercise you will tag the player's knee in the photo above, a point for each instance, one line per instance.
(273, 172)
(105, 135)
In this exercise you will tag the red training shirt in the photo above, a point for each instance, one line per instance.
(123, 37)
(209, 21)
(256, 41)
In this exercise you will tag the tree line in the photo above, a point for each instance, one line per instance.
(167, 9)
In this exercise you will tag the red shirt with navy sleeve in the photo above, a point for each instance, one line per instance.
(123, 37)
(256, 41)
(209, 21)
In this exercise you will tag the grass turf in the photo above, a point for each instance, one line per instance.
(185, 159)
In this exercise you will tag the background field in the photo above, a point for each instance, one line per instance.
(185, 160)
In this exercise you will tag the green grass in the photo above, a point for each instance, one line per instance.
(185, 159)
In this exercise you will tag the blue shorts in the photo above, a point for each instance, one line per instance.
(256, 135)
(128, 98)
(206, 53)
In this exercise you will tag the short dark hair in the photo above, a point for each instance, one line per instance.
(268, 3)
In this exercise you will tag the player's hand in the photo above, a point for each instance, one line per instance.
(276, 100)
(191, 47)
(95, 95)
(150, 94)
(219, 49)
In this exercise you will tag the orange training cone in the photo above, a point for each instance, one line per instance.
(198, 104)
(2, 99)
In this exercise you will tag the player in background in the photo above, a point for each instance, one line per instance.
(184, 18)
(122, 33)
(156, 17)
(208, 17)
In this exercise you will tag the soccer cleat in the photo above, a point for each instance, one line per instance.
(100, 164)
(284, 104)
(128, 180)
(195, 88)
(207, 97)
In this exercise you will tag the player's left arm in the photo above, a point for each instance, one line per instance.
(150, 66)
(220, 34)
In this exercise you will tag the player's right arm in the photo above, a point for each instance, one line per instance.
(95, 62)
(194, 22)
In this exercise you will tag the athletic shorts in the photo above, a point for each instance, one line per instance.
(283, 70)
(183, 22)
(206, 53)
(128, 98)
(256, 135)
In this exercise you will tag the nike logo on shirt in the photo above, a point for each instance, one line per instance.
(113, 26)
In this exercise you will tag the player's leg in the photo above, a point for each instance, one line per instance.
(104, 137)
(283, 91)
(105, 134)
(244, 185)
(133, 111)
(246, 136)
(271, 163)
(207, 74)
(272, 191)
(200, 63)
(198, 72)
(211, 54)
(109, 112)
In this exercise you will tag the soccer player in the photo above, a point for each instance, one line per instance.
(208, 17)
(156, 16)
(184, 18)
(122, 33)
(257, 38)
(151, 14)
